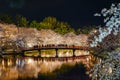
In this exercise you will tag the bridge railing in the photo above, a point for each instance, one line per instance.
(55, 46)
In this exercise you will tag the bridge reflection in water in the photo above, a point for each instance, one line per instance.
(12, 68)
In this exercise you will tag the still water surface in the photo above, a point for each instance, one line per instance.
(12, 68)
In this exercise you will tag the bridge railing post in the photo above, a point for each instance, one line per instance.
(56, 52)
(39, 53)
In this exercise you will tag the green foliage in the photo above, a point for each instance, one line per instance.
(78, 31)
(47, 23)
(50, 22)
(63, 28)
(21, 21)
(34, 24)
(85, 30)
(53, 24)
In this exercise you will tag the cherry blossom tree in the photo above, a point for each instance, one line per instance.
(106, 42)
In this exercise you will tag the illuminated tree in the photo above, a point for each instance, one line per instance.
(47, 23)
(63, 28)
(109, 67)
(34, 24)
(57, 26)
(50, 22)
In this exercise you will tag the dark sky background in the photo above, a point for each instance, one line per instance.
(77, 13)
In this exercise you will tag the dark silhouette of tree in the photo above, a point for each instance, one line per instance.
(6, 18)
(21, 21)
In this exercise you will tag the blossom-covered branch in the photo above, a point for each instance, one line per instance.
(112, 21)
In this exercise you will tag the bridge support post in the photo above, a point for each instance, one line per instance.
(56, 52)
(39, 53)
(73, 52)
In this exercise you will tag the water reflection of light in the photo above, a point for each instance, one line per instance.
(30, 67)
(0, 72)
(3, 63)
(67, 54)
(20, 62)
(30, 61)
(46, 63)
(9, 63)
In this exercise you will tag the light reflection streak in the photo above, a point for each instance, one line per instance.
(67, 54)
(12, 68)
(25, 67)
(30, 61)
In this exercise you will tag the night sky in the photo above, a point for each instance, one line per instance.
(77, 13)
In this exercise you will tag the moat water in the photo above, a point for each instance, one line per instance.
(15, 67)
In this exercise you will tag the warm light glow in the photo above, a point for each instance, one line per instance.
(95, 31)
(28, 67)
(47, 55)
(60, 54)
(3, 63)
(29, 44)
(9, 63)
(30, 61)
(87, 59)
(67, 54)
(110, 70)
